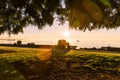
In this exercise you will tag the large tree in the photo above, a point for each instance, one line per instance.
(81, 14)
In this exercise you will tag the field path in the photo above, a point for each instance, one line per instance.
(36, 70)
(44, 56)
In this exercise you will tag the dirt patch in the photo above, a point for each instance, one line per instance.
(44, 56)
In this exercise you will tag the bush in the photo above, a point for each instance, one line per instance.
(31, 44)
(94, 48)
(15, 44)
(61, 48)
(62, 44)
(56, 52)
(19, 42)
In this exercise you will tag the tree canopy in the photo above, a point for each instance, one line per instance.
(81, 14)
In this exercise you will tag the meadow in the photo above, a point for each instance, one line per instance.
(42, 64)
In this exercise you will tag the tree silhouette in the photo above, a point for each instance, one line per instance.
(19, 42)
(81, 14)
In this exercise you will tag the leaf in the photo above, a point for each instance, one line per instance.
(78, 17)
(106, 2)
(1, 21)
(93, 10)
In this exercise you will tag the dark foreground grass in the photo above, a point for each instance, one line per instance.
(84, 65)
(30, 64)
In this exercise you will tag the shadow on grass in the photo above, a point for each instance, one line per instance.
(60, 67)
(33, 70)
(38, 69)
(6, 51)
(8, 72)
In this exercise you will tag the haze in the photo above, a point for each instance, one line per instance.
(50, 35)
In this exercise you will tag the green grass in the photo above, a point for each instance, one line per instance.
(96, 60)
(88, 65)
(19, 54)
(8, 72)
(9, 55)
(87, 53)
(24, 63)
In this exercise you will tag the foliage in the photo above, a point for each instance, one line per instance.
(81, 14)
(63, 44)
(31, 44)
(61, 48)
(58, 52)
(19, 42)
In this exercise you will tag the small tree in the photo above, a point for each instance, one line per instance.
(61, 48)
(63, 44)
(31, 44)
(19, 42)
(14, 43)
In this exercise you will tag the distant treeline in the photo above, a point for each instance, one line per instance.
(111, 49)
(27, 45)
(31, 45)
(116, 49)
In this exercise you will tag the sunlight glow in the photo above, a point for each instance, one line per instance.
(66, 33)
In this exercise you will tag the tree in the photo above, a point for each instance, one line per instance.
(63, 44)
(31, 44)
(81, 14)
(61, 48)
(19, 42)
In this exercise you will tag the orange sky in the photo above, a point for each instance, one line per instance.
(50, 35)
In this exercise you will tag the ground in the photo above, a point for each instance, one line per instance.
(42, 64)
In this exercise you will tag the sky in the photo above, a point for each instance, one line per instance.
(51, 34)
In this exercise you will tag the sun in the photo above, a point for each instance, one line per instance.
(66, 33)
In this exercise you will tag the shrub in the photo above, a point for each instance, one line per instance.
(63, 44)
(19, 42)
(61, 48)
(31, 44)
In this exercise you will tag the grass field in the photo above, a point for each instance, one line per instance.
(38, 64)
